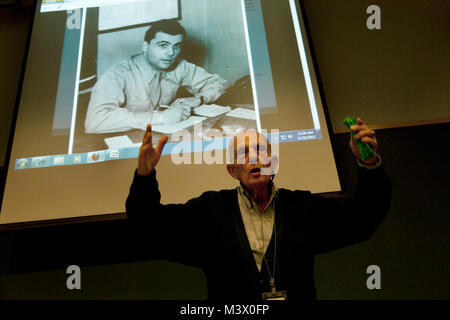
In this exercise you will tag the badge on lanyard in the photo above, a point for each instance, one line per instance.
(274, 294)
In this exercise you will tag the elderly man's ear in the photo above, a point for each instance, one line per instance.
(231, 170)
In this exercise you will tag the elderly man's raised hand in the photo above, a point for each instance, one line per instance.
(366, 135)
(149, 156)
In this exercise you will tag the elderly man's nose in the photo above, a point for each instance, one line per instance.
(253, 155)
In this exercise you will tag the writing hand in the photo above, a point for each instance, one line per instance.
(193, 102)
(178, 111)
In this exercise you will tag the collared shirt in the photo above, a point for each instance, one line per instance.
(125, 97)
(258, 225)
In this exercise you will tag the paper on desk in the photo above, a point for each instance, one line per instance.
(242, 113)
(211, 110)
(119, 142)
(174, 127)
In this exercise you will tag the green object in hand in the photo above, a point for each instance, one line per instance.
(365, 151)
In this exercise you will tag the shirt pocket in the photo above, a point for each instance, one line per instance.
(169, 89)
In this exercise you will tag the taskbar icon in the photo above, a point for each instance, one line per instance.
(22, 164)
(96, 156)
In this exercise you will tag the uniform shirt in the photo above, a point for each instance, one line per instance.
(258, 225)
(125, 97)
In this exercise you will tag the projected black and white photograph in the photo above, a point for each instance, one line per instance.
(171, 63)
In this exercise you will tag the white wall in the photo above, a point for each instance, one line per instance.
(227, 53)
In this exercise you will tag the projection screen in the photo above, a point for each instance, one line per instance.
(80, 120)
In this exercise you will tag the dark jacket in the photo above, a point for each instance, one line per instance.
(208, 232)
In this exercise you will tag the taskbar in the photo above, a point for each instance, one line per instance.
(170, 148)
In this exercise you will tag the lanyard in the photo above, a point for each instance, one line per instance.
(271, 274)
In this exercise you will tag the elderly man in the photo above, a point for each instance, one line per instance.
(131, 93)
(257, 241)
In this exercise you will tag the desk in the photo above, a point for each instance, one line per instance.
(93, 142)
